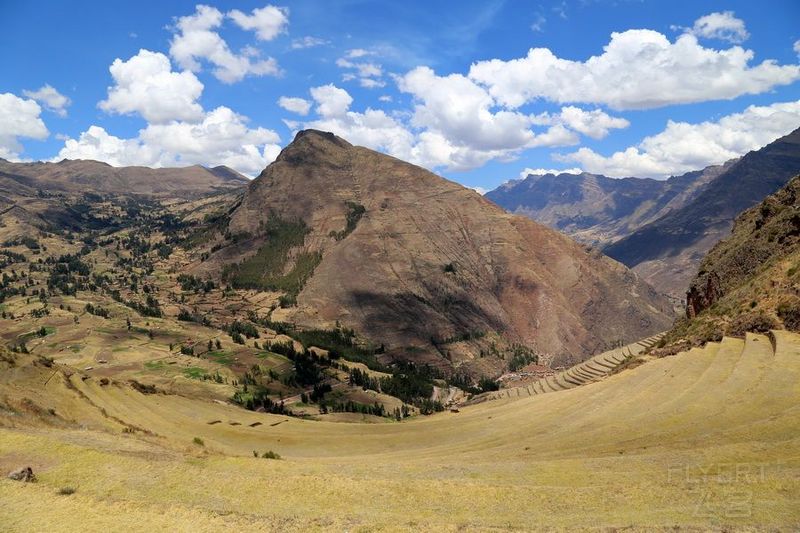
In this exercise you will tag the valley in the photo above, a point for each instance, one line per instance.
(326, 350)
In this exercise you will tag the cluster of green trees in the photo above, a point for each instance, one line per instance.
(257, 398)
(521, 356)
(354, 213)
(27, 241)
(68, 274)
(466, 336)
(7, 258)
(97, 311)
(150, 307)
(190, 283)
(265, 270)
(238, 330)
(349, 406)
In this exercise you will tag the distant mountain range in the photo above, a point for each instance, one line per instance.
(78, 176)
(661, 229)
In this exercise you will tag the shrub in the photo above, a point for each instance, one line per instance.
(756, 322)
(66, 491)
(198, 441)
(271, 455)
(488, 384)
(789, 313)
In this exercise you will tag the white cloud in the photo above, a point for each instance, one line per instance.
(358, 52)
(268, 22)
(95, 143)
(480, 190)
(460, 110)
(524, 173)
(307, 42)
(385, 98)
(368, 74)
(301, 106)
(146, 84)
(796, 47)
(682, 146)
(194, 41)
(422, 143)
(721, 25)
(638, 69)
(221, 138)
(18, 118)
(50, 98)
(331, 100)
(595, 124)
(369, 83)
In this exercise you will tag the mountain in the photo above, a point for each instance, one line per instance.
(80, 176)
(421, 265)
(667, 251)
(596, 209)
(749, 281)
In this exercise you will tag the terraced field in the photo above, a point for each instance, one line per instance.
(707, 439)
(594, 369)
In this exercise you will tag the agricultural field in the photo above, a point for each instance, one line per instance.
(702, 440)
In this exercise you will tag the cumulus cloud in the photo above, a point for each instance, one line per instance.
(146, 84)
(301, 106)
(796, 47)
(638, 69)
(51, 99)
(595, 124)
(268, 22)
(457, 108)
(222, 137)
(331, 100)
(721, 25)
(18, 118)
(95, 143)
(195, 40)
(682, 146)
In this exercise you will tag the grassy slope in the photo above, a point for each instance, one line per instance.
(655, 446)
(756, 271)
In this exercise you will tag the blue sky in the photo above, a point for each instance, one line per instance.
(478, 91)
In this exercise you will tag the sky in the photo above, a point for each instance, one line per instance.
(477, 91)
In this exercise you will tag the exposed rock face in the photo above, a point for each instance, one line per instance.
(433, 270)
(705, 290)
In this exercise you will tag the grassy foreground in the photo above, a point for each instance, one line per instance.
(708, 439)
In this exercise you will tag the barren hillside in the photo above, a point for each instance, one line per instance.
(422, 265)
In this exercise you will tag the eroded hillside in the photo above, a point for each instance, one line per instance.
(425, 267)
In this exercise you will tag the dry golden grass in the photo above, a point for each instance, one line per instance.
(708, 439)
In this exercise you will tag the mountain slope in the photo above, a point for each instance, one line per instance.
(596, 209)
(667, 251)
(423, 265)
(751, 280)
(94, 176)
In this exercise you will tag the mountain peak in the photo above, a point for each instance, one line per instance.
(310, 134)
